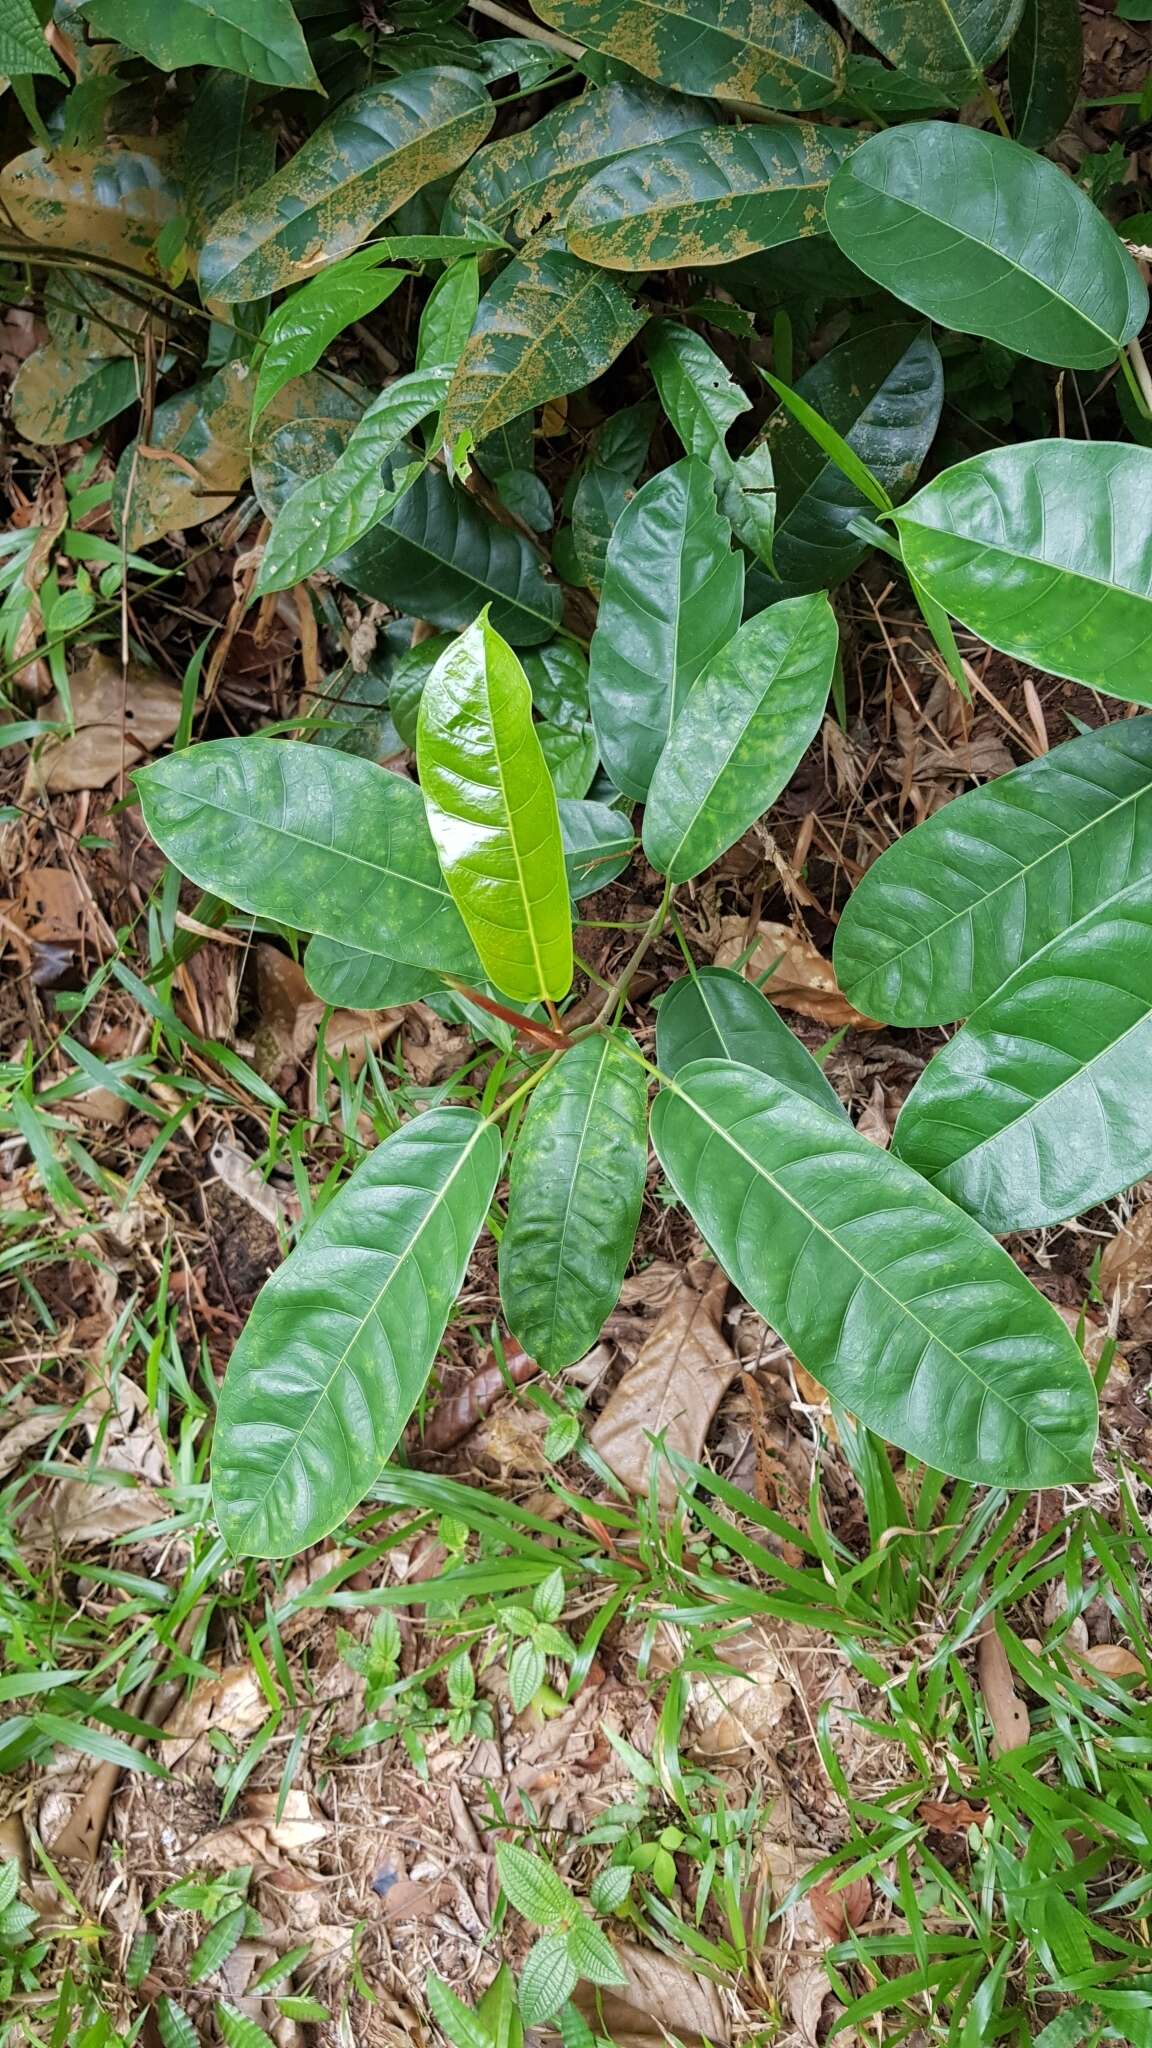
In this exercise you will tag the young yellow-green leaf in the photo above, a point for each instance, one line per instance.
(319, 840)
(773, 53)
(295, 336)
(1045, 61)
(449, 312)
(64, 390)
(108, 202)
(23, 50)
(672, 598)
(493, 815)
(456, 2021)
(336, 1352)
(576, 1188)
(939, 39)
(715, 1014)
(989, 239)
(364, 161)
(709, 197)
(738, 739)
(331, 512)
(258, 38)
(549, 325)
(1045, 550)
(893, 1298)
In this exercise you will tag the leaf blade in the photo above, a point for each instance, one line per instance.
(716, 1014)
(256, 38)
(936, 39)
(778, 55)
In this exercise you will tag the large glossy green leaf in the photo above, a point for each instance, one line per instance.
(673, 596)
(364, 161)
(882, 392)
(295, 336)
(944, 39)
(715, 1014)
(492, 811)
(323, 841)
(772, 53)
(705, 198)
(953, 909)
(746, 724)
(990, 239)
(702, 400)
(1045, 60)
(516, 184)
(574, 1198)
(598, 844)
(893, 1298)
(1045, 550)
(229, 150)
(355, 978)
(258, 38)
(332, 511)
(549, 325)
(338, 1348)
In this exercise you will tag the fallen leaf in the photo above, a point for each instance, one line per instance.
(807, 1989)
(50, 907)
(1126, 1263)
(195, 464)
(120, 717)
(836, 1911)
(673, 1390)
(800, 978)
(951, 1816)
(659, 2001)
(233, 1703)
(238, 1173)
(1006, 1710)
(458, 1413)
(258, 1837)
(1112, 1660)
(744, 1710)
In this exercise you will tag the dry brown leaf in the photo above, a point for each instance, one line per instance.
(951, 1816)
(50, 907)
(120, 717)
(801, 978)
(238, 1173)
(807, 1989)
(660, 2001)
(743, 1711)
(233, 1702)
(1126, 1264)
(673, 1390)
(202, 464)
(258, 1837)
(1006, 1710)
(459, 1413)
(836, 1911)
(1112, 1660)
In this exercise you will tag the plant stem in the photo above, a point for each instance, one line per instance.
(501, 1108)
(1139, 377)
(619, 989)
(993, 105)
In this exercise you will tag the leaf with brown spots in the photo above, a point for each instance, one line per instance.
(193, 465)
(63, 393)
(937, 39)
(772, 53)
(108, 202)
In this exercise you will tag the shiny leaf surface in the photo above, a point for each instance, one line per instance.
(449, 312)
(940, 39)
(950, 912)
(702, 400)
(353, 978)
(492, 813)
(295, 336)
(716, 1014)
(1045, 60)
(892, 1297)
(741, 733)
(109, 202)
(257, 38)
(598, 844)
(773, 53)
(1045, 550)
(989, 239)
(576, 1186)
(340, 1343)
(673, 595)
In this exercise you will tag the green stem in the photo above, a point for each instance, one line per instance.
(614, 1000)
(501, 1108)
(993, 106)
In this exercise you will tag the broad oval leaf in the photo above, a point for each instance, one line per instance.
(882, 392)
(939, 39)
(354, 978)
(108, 202)
(258, 38)
(893, 1298)
(709, 197)
(1045, 550)
(304, 431)
(598, 844)
(772, 53)
(571, 755)
(574, 1200)
(493, 816)
(952, 910)
(673, 596)
(702, 400)
(64, 390)
(988, 238)
(323, 841)
(1039, 1108)
(1045, 60)
(516, 184)
(337, 1350)
(295, 336)
(549, 325)
(746, 723)
(364, 161)
(716, 1014)
(195, 461)
(406, 687)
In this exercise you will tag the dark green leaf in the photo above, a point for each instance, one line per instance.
(715, 1014)
(295, 336)
(740, 735)
(772, 53)
(355, 978)
(217, 1945)
(1045, 59)
(701, 400)
(23, 50)
(409, 676)
(338, 1347)
(572, 758)
(257, 38)
(987, 238)
(548, 1976)
(894, 1299)
(598, 845)
(946, 39)
(605, 487)
(558, 675)
(870, 87)
(228, 151)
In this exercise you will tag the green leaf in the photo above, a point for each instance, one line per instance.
(303, 432)
(327, 515)
(217, 1945)
(295, 336)
(951, 911)
(455, 2020)
(1039, 1108)
(981, 235)
(593, 1953)
(257, 38)
(199, 459)
(228, 152)
(526, 1668)
(893, 1298)
(406, 687)
(497, 2009)
(549, 325)
(549, 1597)
(707, 198)
(517, 183)
(740, 735)
(610, 1888)
(605, 487)
(356, 978)
(533, 1887)
(449, 312)
(176, 2029)
(65, 390)
(701, 400)
(576, 1189)
(598, 844)
(715, 1014)
(364, 161)
(772, 53)
(23, 51)
(548, 1976)
(238, 2030)
(673, 595)
(558, 675)
(1045, 550)
(312, 838)
(938, 39)
(339, 1345)
(1045, 60)
(572, 757)
(492, 812)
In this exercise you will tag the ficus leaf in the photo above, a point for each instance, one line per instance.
(258, 38)
(493, 815)
(773, 53)
(338, 1347)
(355, 978)
(740, 735)
(981, 235)
(715, 1014)
(1045, 62)
(893, 1298)
(295, 336)
(939, 39)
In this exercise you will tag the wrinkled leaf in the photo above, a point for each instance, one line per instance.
(549, 1974)
(1045, 60)
(258, 38)
(23, 50)
(109, 202)
(715, 1014)
(672, 1391)
(295, 336)
(773, 53)
(193, 464)
(940, 39)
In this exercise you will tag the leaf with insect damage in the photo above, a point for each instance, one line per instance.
(938, 39)
(772, 53)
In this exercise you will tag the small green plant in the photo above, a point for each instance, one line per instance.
(530, 1637)
(404, 1708)
(570, 1946)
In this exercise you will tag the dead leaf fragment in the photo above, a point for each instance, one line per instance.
(659, 1999)
(233, 1702)
(1112, 1660)
(121, 716)
(951, 1816)
(742, 1712)
(836, 1911)
(801, 979)
(1126, 1265)
(673, 1390)
(258, 1837)
(1006, 1710)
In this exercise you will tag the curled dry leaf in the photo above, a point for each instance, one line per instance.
(258, 1836)
(121, 716)
(233, 1703)
(951, 1816)
(744, 1711)
(1111, 1660)
(673, 1390)
(835, 1911)
(1006, 1710)
(1126, 1264)
(457, 1414)
(659, 2000)
(800, 978)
